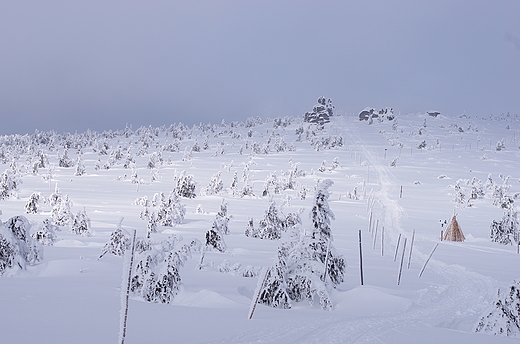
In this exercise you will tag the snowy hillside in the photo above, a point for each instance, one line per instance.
(216, 207)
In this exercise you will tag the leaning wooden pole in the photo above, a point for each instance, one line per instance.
(326, 261)
(427, 260)
(360, 258)
(397, 247)
(401, 265)
(258, 292)
(124, 300)
(411, 248)
(383, 242)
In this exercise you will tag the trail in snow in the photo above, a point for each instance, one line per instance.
(460, 292)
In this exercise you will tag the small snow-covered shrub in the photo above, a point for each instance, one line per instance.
(46, 233)
(222, 219)
(64, 160)
(119, 242)
(62, 213)
(156, 277)
(273, 224)
(33, 204)
(81, 224)
(215, 185)
(185, 185)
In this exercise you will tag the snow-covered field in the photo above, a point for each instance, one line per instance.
(383, 180)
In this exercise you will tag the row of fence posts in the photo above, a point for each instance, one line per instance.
(373, 228)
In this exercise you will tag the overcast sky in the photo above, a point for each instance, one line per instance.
(72, 65)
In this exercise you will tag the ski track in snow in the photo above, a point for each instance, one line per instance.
(463, 292)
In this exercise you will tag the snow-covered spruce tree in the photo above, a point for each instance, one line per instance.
(321, 112)
(9, 182)
(274, 290)
(500, 197)
(119, 242)
(185, 185)
(320, 212)
(81, 224)
(504, 318)
(156, 277)
(55, 197)
(33, 204)
(271, 182)
(62, 213)
(171, 211)
(215, 185)
(222, 219)
(271, 226)
(152, 224)
(46, 233)
(507, 230)
(308, 264)
(214, 239)
(17, 248)
(80, 166)
(64, 160)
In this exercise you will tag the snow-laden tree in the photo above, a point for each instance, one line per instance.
(81, 224)
(55, 197)
(119, 242)
(156, 277)
(33, 204)
(62, 213)
(185, 185)
(64, 160)
(504, 318)
(17, 248)
(46, 233)
(271, 226)
(9, 183)
(151, 227)
(307, 266)
(171, 211)
(320, 212)
(80, 166)
(214, 237)
(507, 230)
(222, 219)
(215, 185)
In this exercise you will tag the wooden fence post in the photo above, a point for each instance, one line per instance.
(360, 258)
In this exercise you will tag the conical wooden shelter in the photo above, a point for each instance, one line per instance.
(453, 231)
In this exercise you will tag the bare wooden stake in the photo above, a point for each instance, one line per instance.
(370, 222)
(375, 238)
(401, 265)
(411, 248)
(360, 258)
(255, 300)
(383, 242)
(122, 333)
(401, 193)
(326, 261)
(427, 260)
(397, 247)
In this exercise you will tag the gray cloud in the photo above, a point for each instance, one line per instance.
(101, 64)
